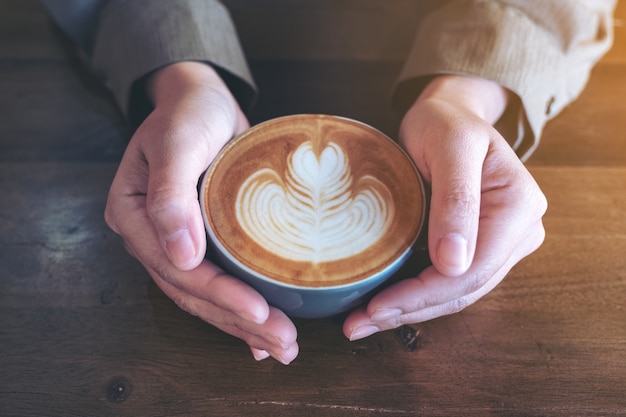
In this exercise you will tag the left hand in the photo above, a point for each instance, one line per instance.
(153, 205)
(485, 213)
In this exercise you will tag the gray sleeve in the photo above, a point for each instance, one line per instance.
(125, 40)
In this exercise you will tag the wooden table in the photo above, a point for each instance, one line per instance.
(84, 331)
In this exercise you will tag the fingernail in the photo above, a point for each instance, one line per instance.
(363, 331)
(181, 248)
(452, 252)
(260, 354)
(285, 358)
(385, 314)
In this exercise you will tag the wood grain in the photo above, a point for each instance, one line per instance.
(550, 340)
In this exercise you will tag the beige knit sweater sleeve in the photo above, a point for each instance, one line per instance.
(543, 51)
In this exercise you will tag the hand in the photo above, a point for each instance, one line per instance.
(153, 205)
(485, 210)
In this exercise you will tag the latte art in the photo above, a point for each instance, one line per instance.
(311, 201)
(317, 212)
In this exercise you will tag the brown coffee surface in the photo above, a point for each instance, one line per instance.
(314, 200)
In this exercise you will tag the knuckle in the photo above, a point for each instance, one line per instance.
(109, 219)
(163, 201)
(475, 282)
(537, 238)
(187, 304)
(109, 214)
(533, 199)
(459, 197)
(538, 200)
(460, 304)
(131, 251)
(542, 204)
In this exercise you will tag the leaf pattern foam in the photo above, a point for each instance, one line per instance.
(318, 212)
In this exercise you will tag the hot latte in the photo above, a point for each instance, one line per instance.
(313, 201)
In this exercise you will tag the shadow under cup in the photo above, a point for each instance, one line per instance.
(313, 211)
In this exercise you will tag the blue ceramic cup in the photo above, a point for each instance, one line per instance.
(313, 211)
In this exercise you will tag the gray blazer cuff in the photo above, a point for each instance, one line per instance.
(134, 40)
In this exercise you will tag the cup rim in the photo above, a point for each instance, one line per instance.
(231, 258)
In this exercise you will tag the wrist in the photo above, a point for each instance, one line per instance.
(486, 99)
(176, 80)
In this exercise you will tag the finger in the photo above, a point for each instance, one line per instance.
(432, 295)
(205, 282)
(358, 325)
(276, 335)
(259, 354)
(208, 283)
(483, 287)
(215, 297)
(446, 295)
(172, 199)
(177, 155)
(455, 202)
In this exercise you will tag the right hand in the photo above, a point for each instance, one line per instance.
(153, 204)
(485, 208)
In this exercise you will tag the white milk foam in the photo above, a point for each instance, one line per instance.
(313, 215)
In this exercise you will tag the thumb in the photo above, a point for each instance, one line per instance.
(172, 200)
(176, 162)
(172, 206)
(456, 175)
